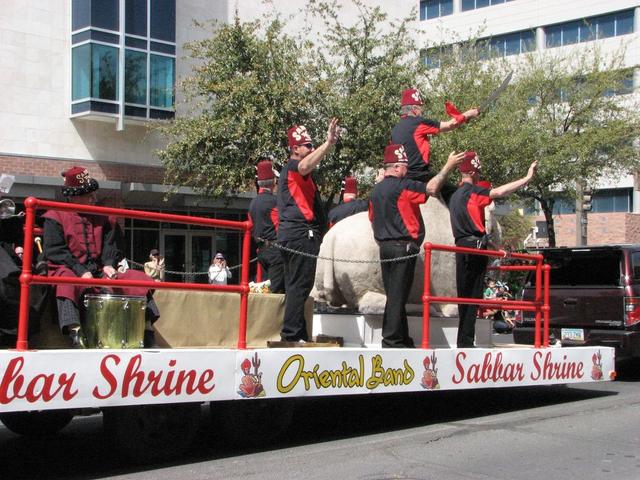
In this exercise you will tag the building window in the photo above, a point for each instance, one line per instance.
(161, 81)
(473, 4)
(434, 57)
(625, 86)
(435, 8)
(149, 58)
(613, 200)
(585, 30)
(509, 44)
(95, 72)
(135, 77)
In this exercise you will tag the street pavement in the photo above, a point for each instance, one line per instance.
(585, 432)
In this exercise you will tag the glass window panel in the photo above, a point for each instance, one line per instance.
(570, 33)
(80, 14)
(468, 5)
(512, 44)
(553, 36)
(104, 69)
(624, 22)
(136, 17)
(163, 20)
(423, 10)
(161, 81)
(482, 3)
(587, 31)
(433, 9)
(527, 41)
(496, 2)
(446, 7)
(603, 203)
(105, 14)
(135, 77)
(81, 71)
(606, 26)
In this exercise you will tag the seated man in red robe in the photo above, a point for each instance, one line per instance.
(85, 245)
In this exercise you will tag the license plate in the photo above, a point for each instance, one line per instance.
(572, 334)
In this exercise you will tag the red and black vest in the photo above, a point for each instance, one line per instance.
(394, 210)
(299, 204)
(413, 133)
(466, 208)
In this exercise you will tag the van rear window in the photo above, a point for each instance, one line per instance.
(583, 268)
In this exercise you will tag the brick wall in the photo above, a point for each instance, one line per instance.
(119, 172)
(603, 228)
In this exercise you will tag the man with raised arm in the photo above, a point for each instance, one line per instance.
(302, 222)
(414, 132)
(394, 210)
(466, 208)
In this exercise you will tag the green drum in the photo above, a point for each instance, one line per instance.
(114, 321)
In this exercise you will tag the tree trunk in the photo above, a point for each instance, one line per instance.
(547, 209)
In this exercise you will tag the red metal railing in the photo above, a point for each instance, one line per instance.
(540, 305)
(27, 278)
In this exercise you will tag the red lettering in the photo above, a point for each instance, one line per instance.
(42, 387)
(108, 376)
(459, 357)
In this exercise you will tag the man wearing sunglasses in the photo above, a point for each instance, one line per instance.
(301, 223)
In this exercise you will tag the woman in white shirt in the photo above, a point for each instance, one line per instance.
(219, 273)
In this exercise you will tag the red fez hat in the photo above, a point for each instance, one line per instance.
(411, 96)
(78, 182)
(350, 185)
(471, 163)
(484, 184)
(298, 135)
(394, 153)
(265, 170)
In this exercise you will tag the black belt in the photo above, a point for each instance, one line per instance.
(473, 241)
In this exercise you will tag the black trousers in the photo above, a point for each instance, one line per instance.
(299, 275)
(270, 259)
(397, 278)
(470, 271)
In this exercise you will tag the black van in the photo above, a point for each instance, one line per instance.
(594, 298)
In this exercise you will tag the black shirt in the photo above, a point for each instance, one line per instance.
(394, 209)
(466, 208)
(413, 133)
(347, 209)
(264, 216)
(299, 204)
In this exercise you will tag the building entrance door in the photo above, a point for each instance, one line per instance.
(188, 252)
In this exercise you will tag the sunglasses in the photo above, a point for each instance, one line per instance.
(308, 145)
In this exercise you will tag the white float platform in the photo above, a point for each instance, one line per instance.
(365, 330)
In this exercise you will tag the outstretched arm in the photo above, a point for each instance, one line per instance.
(509, 188)
(435, 184)
(453, 123)
(311, 161)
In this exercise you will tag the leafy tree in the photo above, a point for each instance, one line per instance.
(247, 88)
(559, 109)
(252, 81)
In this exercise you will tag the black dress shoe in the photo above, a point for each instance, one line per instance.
(77, 339)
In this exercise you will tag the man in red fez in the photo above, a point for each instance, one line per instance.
(263, 213)
(414, 133)
(84, 245)
(302, 221)
(350, 204)
(394, 211)
(466, 208)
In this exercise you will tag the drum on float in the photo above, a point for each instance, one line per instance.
(114, 321)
